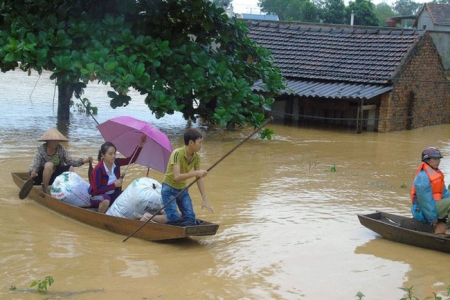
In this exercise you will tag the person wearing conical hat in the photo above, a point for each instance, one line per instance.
(51, 159)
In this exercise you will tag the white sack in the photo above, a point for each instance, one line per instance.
(71, 188)
(142, 195)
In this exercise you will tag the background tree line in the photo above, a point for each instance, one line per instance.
(336, 12)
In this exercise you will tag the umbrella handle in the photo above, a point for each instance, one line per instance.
(126, 169)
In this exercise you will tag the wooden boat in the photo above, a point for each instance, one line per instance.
(149, 232)
(405, 230)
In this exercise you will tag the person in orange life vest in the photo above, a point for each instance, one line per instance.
(429, 196)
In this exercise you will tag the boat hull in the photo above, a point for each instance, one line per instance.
(405, 230)
(150, 231)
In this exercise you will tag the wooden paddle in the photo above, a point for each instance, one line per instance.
(26, 188)
(209, 169)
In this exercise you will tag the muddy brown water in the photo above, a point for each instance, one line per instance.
(288, 225)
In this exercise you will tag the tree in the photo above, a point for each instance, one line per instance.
(406, 7)
(333, 12)
(383, 11)
(364, 13)
(309, 12)
(284, 9)
(185, 56)
(291, 10)
(222, 3)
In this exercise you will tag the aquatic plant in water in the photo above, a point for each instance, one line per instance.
(410, 295)
(42, 284)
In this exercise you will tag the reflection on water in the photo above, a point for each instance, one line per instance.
(288, 225)
(65, 245)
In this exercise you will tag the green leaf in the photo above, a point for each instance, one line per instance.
(112, 94)
(135, 45)
(10, 57)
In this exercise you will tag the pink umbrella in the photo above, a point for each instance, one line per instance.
(126, 132)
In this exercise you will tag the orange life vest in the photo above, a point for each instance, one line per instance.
(436, 181)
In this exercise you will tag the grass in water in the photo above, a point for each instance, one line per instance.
(410, 295)
(42, 284)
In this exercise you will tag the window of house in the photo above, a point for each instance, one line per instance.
(424, 27)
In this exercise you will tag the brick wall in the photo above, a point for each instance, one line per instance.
(384, 124)
(421, 94)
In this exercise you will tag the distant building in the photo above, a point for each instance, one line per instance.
(263, 17)
(397, 20)
(433, 16)
(257, 17)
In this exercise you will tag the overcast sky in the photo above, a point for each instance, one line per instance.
(251, 6)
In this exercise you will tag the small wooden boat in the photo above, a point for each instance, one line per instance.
(405, 230)
(149, 232)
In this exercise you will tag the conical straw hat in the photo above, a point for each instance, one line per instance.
(53, 135)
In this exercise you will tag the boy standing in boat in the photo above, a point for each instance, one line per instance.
(184, 163)
(429, 195)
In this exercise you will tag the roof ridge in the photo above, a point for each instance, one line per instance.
(334, 28)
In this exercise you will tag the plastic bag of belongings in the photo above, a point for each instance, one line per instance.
(142, 195)
(71, 188)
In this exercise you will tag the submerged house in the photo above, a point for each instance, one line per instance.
(368, 78)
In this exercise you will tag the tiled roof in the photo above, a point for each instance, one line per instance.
(336, 90)
(367, 55)
(440, 13)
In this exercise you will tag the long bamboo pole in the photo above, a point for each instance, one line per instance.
(209, 169)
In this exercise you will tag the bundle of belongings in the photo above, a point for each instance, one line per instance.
(71, 188)
(141, 196)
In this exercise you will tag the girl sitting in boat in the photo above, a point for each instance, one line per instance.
(106, 182)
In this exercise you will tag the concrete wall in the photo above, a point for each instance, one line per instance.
(442, 41)
(440, 35)
(425, 22)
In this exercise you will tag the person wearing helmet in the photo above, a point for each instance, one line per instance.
(429, 196)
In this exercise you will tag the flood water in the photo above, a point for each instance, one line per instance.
(288, 225)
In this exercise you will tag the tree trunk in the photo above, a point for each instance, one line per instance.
(65, 92)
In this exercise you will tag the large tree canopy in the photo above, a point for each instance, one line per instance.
(406, 7)
(383, 11)
(286, 10)
(184, 55)
(333, 12)
(364, 13)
